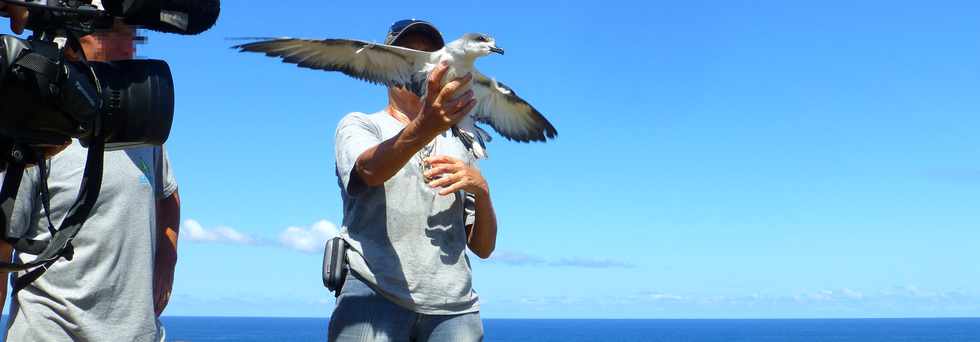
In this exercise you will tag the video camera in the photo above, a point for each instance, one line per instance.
(46, 99)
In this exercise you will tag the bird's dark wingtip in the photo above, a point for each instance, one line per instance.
(551, 133)
(252, 41)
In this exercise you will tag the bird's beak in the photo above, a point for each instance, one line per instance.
(497, 50)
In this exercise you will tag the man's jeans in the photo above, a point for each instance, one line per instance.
(363, 315)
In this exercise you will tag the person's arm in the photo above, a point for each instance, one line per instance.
(168, 226)
(6, 253)
(482, 235)
(452, 175)
(440, 110)
(18, 16)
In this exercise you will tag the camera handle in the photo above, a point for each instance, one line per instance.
(85, 11)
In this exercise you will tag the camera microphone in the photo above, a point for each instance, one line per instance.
(186, 17)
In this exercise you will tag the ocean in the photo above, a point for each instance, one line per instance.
(206, 329)
(513, 330)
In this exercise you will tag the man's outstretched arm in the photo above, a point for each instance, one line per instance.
(441, 109)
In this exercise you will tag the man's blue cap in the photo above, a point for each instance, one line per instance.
(402, 27)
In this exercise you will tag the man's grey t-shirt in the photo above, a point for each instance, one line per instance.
(105, 293)
(407, 242)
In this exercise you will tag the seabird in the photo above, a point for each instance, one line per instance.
(497, 105)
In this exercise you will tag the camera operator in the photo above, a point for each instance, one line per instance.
(119, 275)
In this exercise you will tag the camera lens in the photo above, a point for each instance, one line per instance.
(139, 96)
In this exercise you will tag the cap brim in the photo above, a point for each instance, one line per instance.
(417, 27)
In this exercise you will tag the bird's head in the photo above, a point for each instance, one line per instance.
(478, 45)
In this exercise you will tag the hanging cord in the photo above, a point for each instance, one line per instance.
(42, 171)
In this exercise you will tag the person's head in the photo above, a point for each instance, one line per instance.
(115, 44)
(417, 35)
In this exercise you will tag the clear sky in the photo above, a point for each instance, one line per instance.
(715, 158)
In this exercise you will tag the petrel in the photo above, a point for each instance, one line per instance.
(497, 105)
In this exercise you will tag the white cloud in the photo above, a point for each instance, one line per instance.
(665, 296)
(515, 258)
(309, 239)
(591, 263)
(851, 294)
(194, 231)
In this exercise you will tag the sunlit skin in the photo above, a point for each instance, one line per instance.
(113, 45)
(18, 17)
(402, 103)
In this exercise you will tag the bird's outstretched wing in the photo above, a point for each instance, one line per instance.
(376, 63)
(508, 114)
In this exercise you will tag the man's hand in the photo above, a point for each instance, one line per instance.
(163, 282)
(481, 236)
(18, 16)
(441, 108)
(455, 175)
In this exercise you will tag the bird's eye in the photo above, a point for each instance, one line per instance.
(482, 39)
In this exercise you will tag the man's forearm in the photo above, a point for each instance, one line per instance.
(6, 253)
(167, 247)
(168, 227)
(483, 234)
(379, 163)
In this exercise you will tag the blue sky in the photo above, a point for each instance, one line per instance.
(715, 158)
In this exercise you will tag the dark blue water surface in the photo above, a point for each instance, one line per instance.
(202, 329)
(815, 330)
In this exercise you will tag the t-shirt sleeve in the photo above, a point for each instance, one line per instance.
(167, 183)
(355, 134)
(22, 216)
